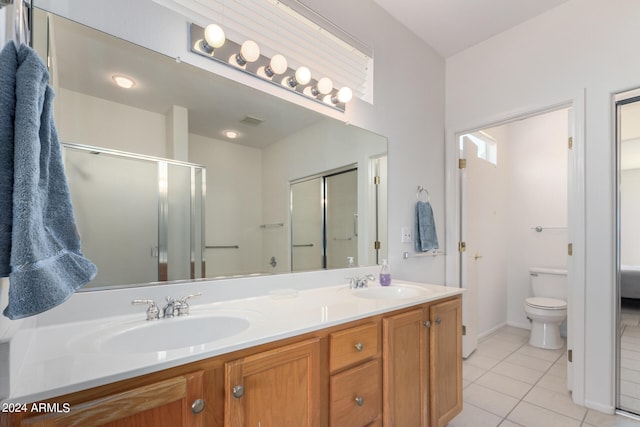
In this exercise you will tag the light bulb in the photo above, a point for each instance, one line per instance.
(123, 81)
(344, 95)
(324, 86)
(250, 51)
(303, 75)
(278, 64)
(231, 134)
(214, 37)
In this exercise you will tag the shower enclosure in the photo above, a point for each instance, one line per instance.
(154, 205)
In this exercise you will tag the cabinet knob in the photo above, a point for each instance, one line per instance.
(238, 391)
(359, 346)
(438, 320)
(197, 406)
(359, 400)
(426, 324)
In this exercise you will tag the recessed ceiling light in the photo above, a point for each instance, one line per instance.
(123, 81)
(231, 134)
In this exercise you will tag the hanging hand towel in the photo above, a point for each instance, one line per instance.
(47, 265)
(426, 238)
(8, 67)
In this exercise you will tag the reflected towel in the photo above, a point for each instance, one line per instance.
(46, 263)
(426, 238)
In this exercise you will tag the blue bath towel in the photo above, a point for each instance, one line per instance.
(426, 238)
(46, 263)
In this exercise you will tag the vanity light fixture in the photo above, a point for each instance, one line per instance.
(344, 95)
(323, 87)
(212, 43)
(249, 52)
(123, 81)
(277, 65)
(301, 77)
(214, 38)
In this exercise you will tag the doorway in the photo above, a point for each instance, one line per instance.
(513, 216)
(324, 221)
(628, 251)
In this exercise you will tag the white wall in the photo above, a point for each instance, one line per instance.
(629, 214)
(537, 195)
(580, 45)
(233, 172)
(87, 120)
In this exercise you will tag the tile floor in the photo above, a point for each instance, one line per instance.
(507, 383)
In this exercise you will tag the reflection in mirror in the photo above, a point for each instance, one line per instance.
(177, 114)
(629, 252)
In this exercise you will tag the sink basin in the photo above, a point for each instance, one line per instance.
(142, 336)
(390, 292)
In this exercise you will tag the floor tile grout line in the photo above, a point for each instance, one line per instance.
(532, 386)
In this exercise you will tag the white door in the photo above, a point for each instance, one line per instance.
(483, 212)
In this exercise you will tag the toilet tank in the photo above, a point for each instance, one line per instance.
(549, 282)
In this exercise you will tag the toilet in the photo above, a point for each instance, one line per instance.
(547, 308)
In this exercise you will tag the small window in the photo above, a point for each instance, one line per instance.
(487, 147)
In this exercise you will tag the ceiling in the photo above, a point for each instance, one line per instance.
(450, 26)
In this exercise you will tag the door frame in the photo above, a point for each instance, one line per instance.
(576, 264)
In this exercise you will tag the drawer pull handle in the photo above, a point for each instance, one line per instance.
(438, 320)
(359, 400)
(426, 324)
(359, 346)
(197, 406)
(238, 391)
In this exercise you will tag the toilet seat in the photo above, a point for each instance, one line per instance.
(546, 303)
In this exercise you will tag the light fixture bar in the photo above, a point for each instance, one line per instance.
(294, 80)
(293, 30)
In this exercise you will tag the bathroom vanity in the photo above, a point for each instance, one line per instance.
(322, 357)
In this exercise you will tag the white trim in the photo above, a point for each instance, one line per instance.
(607, 409)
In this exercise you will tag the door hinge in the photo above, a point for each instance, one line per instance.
(462, 246)
(570, 249)
(376, 180)
(570, 141)
(570, 356)
(464, 330)
(462, 163)
(376, 245)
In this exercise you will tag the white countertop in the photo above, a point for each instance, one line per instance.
(48, 361)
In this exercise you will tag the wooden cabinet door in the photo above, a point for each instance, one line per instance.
(167, 403)
(445, 361)
(276, 388)
(405, 370)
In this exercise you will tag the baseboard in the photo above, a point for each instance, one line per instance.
(491, 331)
(607, 409)
(520, 325)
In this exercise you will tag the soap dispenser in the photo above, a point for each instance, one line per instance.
(385, 274)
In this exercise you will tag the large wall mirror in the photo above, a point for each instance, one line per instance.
(162, 194)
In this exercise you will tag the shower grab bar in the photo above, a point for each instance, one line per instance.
(274, 225)
(308, 245)
(540, 228)
(223, 247)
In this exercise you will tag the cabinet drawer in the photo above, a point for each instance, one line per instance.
(353, 345)
(356, 396)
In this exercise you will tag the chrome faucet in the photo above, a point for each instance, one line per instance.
(169, 309)
(360, 282)
(153, 312)
(172, 307)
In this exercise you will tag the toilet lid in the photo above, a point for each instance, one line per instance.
(546, 303)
